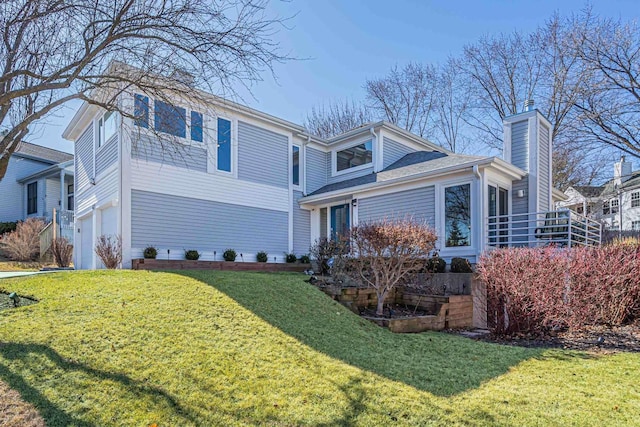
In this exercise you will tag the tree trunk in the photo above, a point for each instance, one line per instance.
(381, 298)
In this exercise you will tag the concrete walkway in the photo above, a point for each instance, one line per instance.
(9, 274)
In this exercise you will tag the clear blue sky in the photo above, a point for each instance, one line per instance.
(349, 41)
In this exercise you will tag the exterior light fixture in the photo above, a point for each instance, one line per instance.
(15, 298)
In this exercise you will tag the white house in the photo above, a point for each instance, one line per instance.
(616, 203)
(235, 177)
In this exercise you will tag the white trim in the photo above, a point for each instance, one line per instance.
(440, 188)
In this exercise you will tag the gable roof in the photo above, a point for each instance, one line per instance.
(38, 152)
(588, 190)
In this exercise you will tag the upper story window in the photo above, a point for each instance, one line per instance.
(606, 208)
(352, 157)
(615, 206)
(170, 119)
(295, 165)
(70, 201)
(635, 225)
(457, 215)
(635, 199)
(106, 127)
(224, 145)
(32, 198)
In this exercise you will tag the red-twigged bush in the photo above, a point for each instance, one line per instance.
(62, 251)
(535, 289)
(23, 244)
(109, 250)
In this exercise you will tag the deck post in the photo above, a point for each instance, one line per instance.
(54, 225)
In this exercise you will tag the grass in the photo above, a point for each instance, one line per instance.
(223, 348)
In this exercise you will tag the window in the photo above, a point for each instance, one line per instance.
(70, 197)
(580, 209)
(170, 119)
(457, 214)
(106, 127)
(354, 156)
(141, 110)
(196, 126)
(295, 164)
(32, 198)
(606, 208)
(615, 207)
(635, 199)
(635, 225)
(224, 145)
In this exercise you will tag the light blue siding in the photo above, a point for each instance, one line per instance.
(520, 205)
(169, 152)
(107, 155)
(393, 151)
(419, 203)
(301, 226)
(263, 156)
(13, 195)
(520, 144)
(544, 192)
(84, 159)
(168, 221)
(316, 164)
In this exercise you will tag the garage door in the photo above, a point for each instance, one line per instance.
(86, 243)
(109, 221)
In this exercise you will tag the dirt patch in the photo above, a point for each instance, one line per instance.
(16, 412)
(598, 339)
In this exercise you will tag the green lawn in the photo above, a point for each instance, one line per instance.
(221, 348)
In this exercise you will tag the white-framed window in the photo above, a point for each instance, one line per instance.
(168, 118)
(32, 198)
(615, 206)
(606, 208)
(355, 157)
(224, 153)
(107, 126)
(635, 225)
(295, 165)
(635, 199)
(457, 215)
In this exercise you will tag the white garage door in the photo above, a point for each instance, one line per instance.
(109, 221)
(86, 243)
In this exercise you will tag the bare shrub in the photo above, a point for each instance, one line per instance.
(109, 250)
(23, 244)
(533, 289)
(387, 252)
(323, 250)
(62, 251)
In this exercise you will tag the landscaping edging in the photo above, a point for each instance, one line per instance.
(176, 264)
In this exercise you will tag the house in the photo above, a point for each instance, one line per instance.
(616, 203)
(37, 181)
(213, 174)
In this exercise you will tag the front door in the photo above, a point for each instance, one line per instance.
(339, 220)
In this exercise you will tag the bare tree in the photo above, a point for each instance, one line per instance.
(387, 252)
(54, 51)
(610, 111)
(336, 118)
(405, 97)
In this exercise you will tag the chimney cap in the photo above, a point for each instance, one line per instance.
(528, 105)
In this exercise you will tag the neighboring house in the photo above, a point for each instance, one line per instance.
(37, 181)
(243, 179)
(616, 203)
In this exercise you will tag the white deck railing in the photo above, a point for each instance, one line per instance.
(563, 228)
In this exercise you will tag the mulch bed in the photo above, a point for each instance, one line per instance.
(6, 302)
(597, 339)
(394, 311)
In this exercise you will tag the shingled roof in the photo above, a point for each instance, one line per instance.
(39, 152)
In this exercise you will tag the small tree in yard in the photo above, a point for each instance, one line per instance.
(109, 250)
(387, 252)
(23, 244)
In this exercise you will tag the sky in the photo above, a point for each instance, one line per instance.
(341, 44)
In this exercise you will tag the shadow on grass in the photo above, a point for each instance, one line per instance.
(55, 416)
(439, 363)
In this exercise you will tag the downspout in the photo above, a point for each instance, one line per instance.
(375, 137)
(480, 234)
(303, 156)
